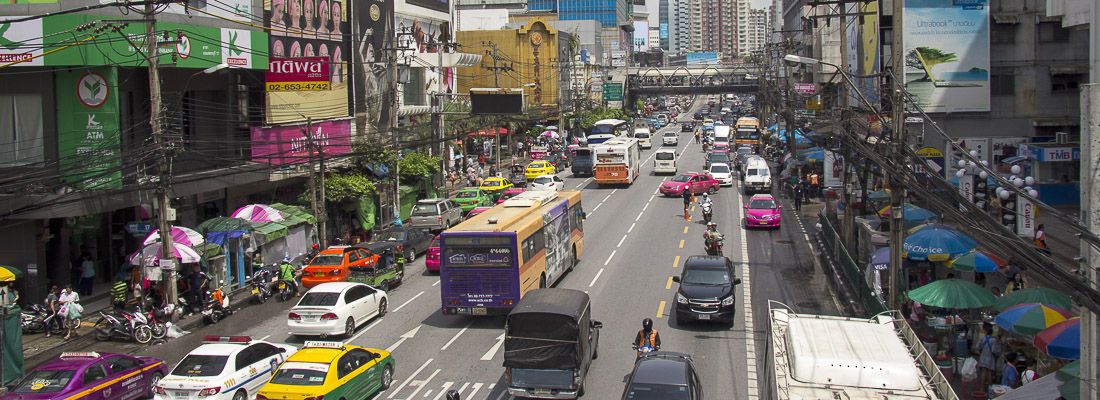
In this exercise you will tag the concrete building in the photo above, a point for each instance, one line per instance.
(742, 26)
(718, 29)
(654, 36)
(695, 20)
(532, 51)
(675, 25)
(757, 32)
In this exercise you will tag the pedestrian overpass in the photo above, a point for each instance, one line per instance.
(701, 79)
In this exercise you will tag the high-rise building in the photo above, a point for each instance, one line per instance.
(675, 25)
(695, 19)
(756, 32)
(718, 27)
(741, 12)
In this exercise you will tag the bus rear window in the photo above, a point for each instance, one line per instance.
(609, 158)
(479, 256)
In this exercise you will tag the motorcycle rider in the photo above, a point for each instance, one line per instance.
(706, 204)
(711, 238)
(286, 273)
(647, 337)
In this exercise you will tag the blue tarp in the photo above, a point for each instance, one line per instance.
(220, 238)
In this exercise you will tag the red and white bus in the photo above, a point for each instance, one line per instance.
(617, 161)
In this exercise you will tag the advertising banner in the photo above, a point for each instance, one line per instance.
(21, 42)
(933, 159)
(296, 74)
(279, 145)
(966, 187)
(443, 6)
(702, 58)
(88, 141)
(834, 170)
(372, 35)
(309, 29)
(1025, 217)
(641, 35)
(947, 54)
(869, 58)
(805, 88)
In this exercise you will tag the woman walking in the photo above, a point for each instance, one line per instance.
(70, 309)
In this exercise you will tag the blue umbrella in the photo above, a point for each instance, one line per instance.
(936, 242)
(880, 260)
(816, 155)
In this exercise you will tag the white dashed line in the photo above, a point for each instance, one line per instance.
(410, 378)
(597, 207)
(639, 216)
(455, 337)
(597, 277)
(621, 241)
(609, 258)
(605, 198)
(407, 302)
(746, 301)
(436, 283)
(632, 226)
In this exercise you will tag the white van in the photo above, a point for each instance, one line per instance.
(664, 162)
(758, 177)
(721, 135)
(643, 136)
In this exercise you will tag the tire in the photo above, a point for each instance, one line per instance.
(240, 395)
(712, 190)
(387, 377)
(143, 334)
(285, 294)
(159, 330)
(411, 255)
(575, 260)
(214, 317)
(102, 330)
(382, 308)
(349, 327)
(153, 380)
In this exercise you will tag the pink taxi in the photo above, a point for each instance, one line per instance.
(509, 193)
(762, 211)
(431, 257)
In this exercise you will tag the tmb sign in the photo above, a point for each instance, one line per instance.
(297, 74)
(805, 88)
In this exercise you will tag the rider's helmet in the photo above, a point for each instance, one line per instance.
(713, 225)
(647, 325)
(452, 395)
(286, 259)
(705, 196)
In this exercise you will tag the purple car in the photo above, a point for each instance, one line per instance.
(91, 376)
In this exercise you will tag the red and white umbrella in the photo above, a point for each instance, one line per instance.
(150, 254)
(180, 234)
(258, 213)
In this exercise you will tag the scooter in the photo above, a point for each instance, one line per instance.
(714, 247)
(156, 318)
(215, 310)
(37, 318)
(261, 285)
(707, 212)
(131, 326)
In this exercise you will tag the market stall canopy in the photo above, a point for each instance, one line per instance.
(975, 261)
(1063, 340)
(9, 273)
(912, 215)
(150, 254)
(219, 230)
(180, 234)
(1029, 319)
(937, 242)
(1065, 384)
(952, 293)
(258, 213)
(294, 215)
(269, 231)
(1046, 296)
(489, 132)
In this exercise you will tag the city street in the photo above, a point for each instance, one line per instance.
(636, 240)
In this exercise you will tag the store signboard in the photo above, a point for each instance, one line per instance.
(1025, 217)
(966, 187)
(324, 36)
(293, 74)
(21, 42)
(89, 144)
(805, 88)
(279, 145)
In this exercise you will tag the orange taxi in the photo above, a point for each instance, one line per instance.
(333, 264)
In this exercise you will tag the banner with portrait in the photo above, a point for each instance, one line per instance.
(373, 33)
(310, 28)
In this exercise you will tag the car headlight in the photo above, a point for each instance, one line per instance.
(726, 302)
(681, 299)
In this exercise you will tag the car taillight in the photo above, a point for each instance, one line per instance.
(440, 219)
(508, 376)
(159, 390)
(209, 391)
(294, 317)
(329, 316)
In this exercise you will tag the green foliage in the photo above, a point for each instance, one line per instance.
(639, 105)
(341, 187)
(418, 165)
(373, 154)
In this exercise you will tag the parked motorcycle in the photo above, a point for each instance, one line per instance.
(124, 325)
(261, 285)
(216, 307)
(156, 319)
(38, 318)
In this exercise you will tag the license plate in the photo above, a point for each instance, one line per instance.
(318, 274)
(763, 223)
(282, 285)
(540, 391)
(255, 291)
(179, 395)
(310, 318)
(479, 311)
(704, 316)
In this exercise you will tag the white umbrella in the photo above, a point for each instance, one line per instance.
(258, 213)
(180, 234)
(150, 255)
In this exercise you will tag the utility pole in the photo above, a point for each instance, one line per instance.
(1090, 206)
(848, 227)
(495, 54)
(317, 192)
(897, 191)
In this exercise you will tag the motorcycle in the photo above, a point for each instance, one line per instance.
(216, 307)
(288, 288)
(639, 351)
(124, 325)
(156, 319)
(38, 318)
(707, 212)
(714, 246)
(261, 285)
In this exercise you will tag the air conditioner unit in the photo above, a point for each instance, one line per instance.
(1061, 137)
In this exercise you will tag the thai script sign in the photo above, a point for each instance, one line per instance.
(294, 74)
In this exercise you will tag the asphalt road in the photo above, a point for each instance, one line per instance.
(635, 241)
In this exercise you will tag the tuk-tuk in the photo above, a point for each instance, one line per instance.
(387, 273)
(518, 175)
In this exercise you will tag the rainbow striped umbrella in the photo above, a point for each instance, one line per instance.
(974, 261)
(1062, 340)
(1029, 319)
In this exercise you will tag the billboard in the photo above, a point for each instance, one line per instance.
(947, 54)
(297, 74)
(279, 145)
(309, 29)
(443, 6)
(868, 54)
(21, 42)
(641, 36)
(373, 33)
(702, 57)
(88, 140)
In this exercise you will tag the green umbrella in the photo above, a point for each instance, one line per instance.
(1045, 296)
(952, 293)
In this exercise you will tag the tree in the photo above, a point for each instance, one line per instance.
(924, 58)
(590, 118)
(418, 165)
(345, 186)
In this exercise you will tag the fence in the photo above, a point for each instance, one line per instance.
(851, 274)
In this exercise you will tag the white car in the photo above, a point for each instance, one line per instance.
(335, 308)
(670, 138)
(722, 173)
(546, 182)
(223, 368)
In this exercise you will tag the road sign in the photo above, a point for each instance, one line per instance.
(612, 91)
(805, 88)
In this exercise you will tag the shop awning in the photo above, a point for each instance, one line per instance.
(489, 132)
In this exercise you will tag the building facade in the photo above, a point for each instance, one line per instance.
(532, 53)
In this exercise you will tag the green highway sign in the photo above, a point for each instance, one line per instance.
(612, 91)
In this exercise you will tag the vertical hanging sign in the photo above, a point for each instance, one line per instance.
(966, 187)
(1025, 217)
(87, 127)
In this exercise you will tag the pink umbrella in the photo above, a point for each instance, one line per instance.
(150, 255)
(258, 213)
(180, 234)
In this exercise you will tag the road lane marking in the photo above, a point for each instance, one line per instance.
(746, 287)
(631, 227)
(651, 197)
(596, 208)
(407, 302)
(584, 182)
(605, 198)
(455, 337)
(493, 350)
(406, 336)
(463, 388)
(661, 309)
(669, 284)
(424, 383)
(639, 216)
(681, 243)
(443, 390)
(645, 207)
(473, 390)
(502, 394)
(621, 241)
(609, 258)
(410, 378)
(597, 277)
(436, 283)
(685, 230)
(357, 335)
(676, 262)
(265, 338)
(613, 191)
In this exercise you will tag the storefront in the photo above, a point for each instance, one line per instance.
(1056, 168)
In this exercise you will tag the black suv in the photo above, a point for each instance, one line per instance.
(663, 375)
(706, 290)
(687, 126)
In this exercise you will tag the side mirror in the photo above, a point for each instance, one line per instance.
(746, 206)
(676, 279)
(736, 281)
(780, 207)
(282, 350)
(597, 325)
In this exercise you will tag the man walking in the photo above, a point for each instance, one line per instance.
(798, 196)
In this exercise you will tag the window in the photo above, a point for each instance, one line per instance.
(122, 364)
(245, 358)
(201, 365)
(1053, 32)
(1002, 83)
(353, 256)
(1002, 33)
(21, 138)
(533, 244)
(93, 374)
(352, 361)
(264, 350)
(1065, 82)
(352, 295)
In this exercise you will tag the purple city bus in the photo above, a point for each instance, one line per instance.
(479, 272)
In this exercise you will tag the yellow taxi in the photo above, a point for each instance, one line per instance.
(538, 168)
(496, 185)
(330, 370)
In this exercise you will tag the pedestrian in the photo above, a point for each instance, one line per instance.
(1040, 240)
(70, 309)
(198, 283)
(1029, 373)
(988, 350)
(1016, 282)
(118, 291)
(798, 197)
(815, 185)
(87, 275)
(52, 305)
(1010, 375)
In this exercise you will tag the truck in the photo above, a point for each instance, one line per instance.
(583, 161)
(550, 340)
